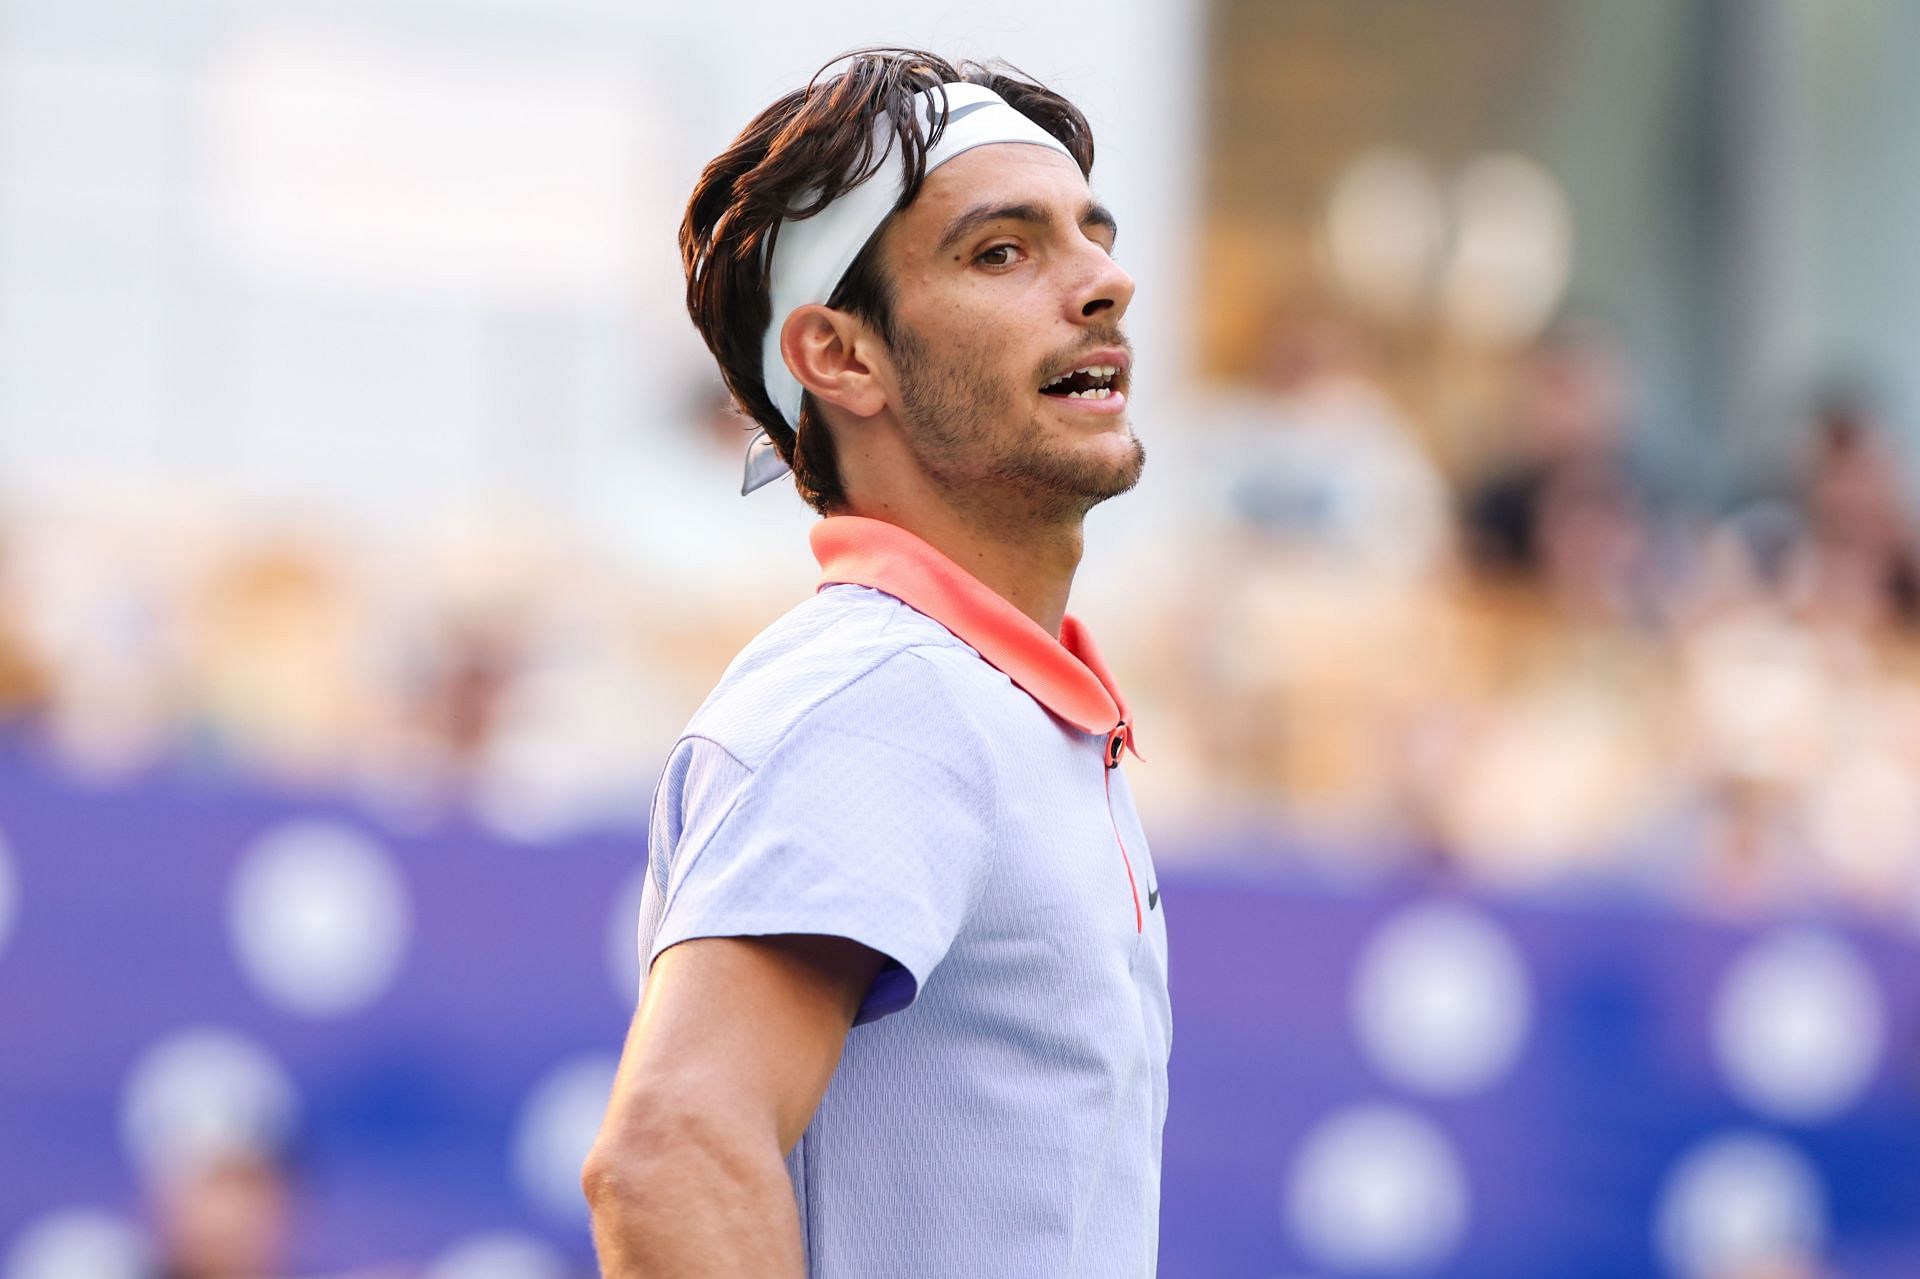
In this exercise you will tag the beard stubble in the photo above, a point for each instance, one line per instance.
(955, 416)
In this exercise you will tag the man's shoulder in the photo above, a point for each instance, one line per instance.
(849, 651)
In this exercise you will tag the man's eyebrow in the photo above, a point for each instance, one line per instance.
(983, 214)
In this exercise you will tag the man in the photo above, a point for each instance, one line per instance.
(906, 1006)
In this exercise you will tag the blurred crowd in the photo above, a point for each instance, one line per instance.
(1539, 658)
(1553, 659)
(489, 664)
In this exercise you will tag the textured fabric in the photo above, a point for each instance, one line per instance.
(861, 772)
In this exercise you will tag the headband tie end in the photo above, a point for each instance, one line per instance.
(763, 465)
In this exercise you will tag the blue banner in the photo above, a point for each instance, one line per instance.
(1367, 1081)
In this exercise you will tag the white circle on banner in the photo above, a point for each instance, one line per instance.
(1798, 1026)
(558, 1123)
(202, 1092)
(319, 918)
(623, 938)
(79, 1243)
(9, 894)
(499, 1256)
(1441, 1001)
(1737, 1204)
(1377, 1187)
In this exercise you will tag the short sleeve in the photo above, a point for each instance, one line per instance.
(872, 819)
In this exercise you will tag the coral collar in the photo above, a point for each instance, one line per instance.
(1065, 675)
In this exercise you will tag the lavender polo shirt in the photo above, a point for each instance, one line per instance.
(907, 761)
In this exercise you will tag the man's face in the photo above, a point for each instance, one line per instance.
(1004, 281)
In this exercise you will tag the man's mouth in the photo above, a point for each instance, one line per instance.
(1088, 382)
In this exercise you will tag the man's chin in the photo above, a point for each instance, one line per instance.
(1120, 454)
(1127, 474)
(1091, 476)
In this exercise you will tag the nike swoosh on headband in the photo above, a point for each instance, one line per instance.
(812, 255)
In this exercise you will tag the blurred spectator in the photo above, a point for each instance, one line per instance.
(277, 679)
(1801, 750)
(230, 1215)
(1333, 531)
(1865, 573)
(23, 681)
(1590, 543)
(472, 667)
(1564, 492)
(89, 602)
(1317, 458)
(226, 1217)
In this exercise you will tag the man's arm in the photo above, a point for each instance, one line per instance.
(728, 1056)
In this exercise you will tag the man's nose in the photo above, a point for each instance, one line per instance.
(1106, 291)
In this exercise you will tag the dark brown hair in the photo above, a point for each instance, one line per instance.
(797, 157)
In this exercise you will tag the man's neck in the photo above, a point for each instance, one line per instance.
(1027, 560)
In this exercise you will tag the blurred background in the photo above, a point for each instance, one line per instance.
(1520, 608)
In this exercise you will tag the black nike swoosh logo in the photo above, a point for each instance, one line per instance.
(1153, 896)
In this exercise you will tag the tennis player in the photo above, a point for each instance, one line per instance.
(906, 1005)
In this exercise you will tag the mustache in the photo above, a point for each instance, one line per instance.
(1071, 357)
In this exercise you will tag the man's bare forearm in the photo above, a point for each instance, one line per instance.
(711, 1209)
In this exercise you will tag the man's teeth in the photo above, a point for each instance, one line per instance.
(1097, 393)
(1105, 371)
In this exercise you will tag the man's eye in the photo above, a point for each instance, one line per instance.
(998, 255)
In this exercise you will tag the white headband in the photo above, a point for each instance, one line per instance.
(812, 254)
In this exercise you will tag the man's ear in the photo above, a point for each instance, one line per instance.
(827, 351)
